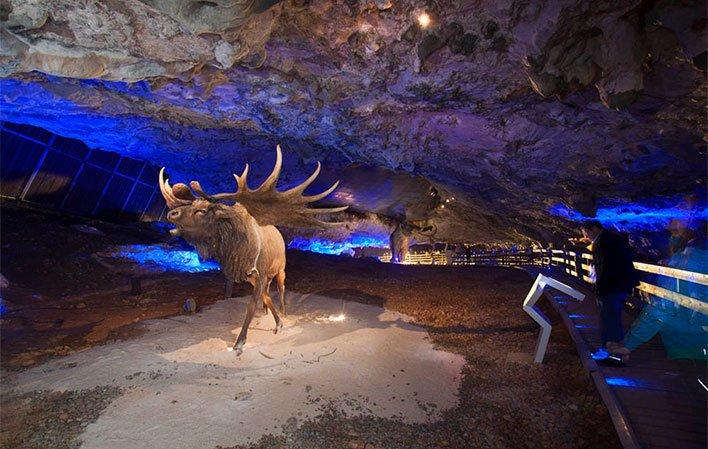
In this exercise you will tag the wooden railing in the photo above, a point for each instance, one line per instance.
(579, 264)
(419, 258)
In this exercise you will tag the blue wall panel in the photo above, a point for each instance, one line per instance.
(53, 180)
(87, 189)
(18, 159)
(62, 173)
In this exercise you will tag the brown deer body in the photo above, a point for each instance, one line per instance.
(242, 237)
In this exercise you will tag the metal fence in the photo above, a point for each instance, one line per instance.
(55, 172)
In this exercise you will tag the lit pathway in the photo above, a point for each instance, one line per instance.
(659, 398)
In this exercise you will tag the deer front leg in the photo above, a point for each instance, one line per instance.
(258, 288)
(241, 340)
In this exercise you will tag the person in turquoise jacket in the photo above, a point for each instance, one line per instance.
(683, 330)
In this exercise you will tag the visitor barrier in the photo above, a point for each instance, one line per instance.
(579, 264)
(575, 263)
(529, 307)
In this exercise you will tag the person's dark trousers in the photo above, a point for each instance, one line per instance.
(610, 307)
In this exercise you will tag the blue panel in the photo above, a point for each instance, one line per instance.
(104, 159)
(53, 179)
(18, 159)
(72, 147)
(154, 209)
(111, 205)
(130, 167)
(150, 175)
(138, 201)
(86, 190)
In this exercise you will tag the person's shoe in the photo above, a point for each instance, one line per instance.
(617, 349)
(612, 360)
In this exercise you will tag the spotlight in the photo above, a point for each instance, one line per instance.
(424, 20)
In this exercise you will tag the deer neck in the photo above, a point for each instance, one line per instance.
(237, 248)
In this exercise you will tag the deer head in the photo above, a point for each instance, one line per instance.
(196, 217)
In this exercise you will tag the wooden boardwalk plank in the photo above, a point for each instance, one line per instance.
(660, 398)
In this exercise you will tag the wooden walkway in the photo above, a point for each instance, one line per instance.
(655, 402)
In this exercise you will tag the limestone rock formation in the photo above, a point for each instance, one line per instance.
(509, 107)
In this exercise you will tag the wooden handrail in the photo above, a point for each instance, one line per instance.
(691, 276)
(568, 262)
(678, 298)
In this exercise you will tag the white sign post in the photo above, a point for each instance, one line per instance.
(533, 311)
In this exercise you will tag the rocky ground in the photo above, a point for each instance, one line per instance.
(472, 312)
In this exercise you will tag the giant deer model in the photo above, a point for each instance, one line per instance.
(242, 237)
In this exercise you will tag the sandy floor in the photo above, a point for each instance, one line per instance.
(181, 385)
(76, 348)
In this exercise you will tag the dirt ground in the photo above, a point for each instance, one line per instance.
(61, 300)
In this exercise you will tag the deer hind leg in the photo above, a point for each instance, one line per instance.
(269, 304)
(280, 280)
(267, 293)
(229, 288)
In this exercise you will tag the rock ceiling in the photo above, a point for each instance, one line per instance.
(498, 110)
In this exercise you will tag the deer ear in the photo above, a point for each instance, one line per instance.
(182, 192)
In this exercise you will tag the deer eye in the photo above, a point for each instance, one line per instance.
(199, 212)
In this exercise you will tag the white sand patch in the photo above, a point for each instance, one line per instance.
(183, 389)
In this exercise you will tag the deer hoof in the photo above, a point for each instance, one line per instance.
(278, 327)
(238, 350)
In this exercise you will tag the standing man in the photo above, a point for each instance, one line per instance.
(615, 278)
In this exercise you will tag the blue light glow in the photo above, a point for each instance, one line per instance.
(161, 226)
(652, 214)
(576, 315)
(624, 382)
(166, 258)
(600, 354)
(583, 326)
(327, 246)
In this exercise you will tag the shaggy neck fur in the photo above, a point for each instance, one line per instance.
(235, 244)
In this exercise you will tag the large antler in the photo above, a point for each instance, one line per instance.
(176, 196)
(269, 206)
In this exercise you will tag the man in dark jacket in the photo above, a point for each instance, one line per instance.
(615, 277)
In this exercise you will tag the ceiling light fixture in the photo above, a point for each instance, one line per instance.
(424, 20)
